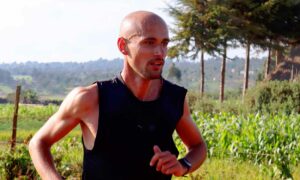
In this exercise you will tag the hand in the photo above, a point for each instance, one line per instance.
(166, 162)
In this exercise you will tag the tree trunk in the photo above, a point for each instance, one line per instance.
(246, 70)
(267, 67)
(202, 74)
(223, 69)
(279, 57)
(292, 73)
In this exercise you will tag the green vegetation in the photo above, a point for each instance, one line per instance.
(266, 97)
(17, 164)
(271, 141)
(55, 80)
(240, 145)
(274, 96)
(253, 134)
(26, 78)
(5, 89)
(257, 139)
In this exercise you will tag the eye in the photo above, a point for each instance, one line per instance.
(165, 43)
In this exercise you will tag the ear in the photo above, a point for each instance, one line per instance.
(122, 45)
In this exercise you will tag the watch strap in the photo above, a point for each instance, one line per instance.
(185, 163)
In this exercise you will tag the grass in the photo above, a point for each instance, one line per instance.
(229, 169)
(68, 152)
(68, 155)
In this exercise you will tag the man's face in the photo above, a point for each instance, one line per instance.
(147, 51)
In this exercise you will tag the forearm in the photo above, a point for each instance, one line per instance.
(42, 160)
(196, 156)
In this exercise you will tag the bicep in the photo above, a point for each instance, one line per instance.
(56, 128)
(187, 129)
(62, 122)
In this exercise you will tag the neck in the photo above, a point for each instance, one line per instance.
(143, 89)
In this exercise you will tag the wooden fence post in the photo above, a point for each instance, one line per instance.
(15, 118)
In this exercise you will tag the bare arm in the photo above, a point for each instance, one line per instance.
(191, 137)
(62, 122)
(187, 130)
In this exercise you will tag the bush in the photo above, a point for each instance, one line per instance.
(17, 164)
(67, 157)
(202, 104)
(209, 104)
(274, 96)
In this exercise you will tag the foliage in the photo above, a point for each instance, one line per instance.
(66, 156)
(189, 74)
(274, 96)
(190, 32)
(267, 97)
(270, 141)
(33, 112)
(5, 77)
(174, 72)
(30, 97)
(17, 164)
(209, 103)
(277, 15)
(202, 104)
(60, 78)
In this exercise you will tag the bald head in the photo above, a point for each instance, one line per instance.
(138, 23)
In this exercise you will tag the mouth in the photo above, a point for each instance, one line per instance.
(158, 62)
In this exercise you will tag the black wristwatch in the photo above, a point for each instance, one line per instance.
(185, 163)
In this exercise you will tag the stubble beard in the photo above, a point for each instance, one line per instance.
(152, 75)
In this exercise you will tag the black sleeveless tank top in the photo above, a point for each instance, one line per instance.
(128, 129)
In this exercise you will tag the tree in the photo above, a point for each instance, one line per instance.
(246, 31)
(30, 97)
(190, 34)
(281, 19)
(6, 78)
(261, 24)
(217, 20)
(174, 72)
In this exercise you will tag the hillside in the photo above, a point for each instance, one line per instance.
(56, 79)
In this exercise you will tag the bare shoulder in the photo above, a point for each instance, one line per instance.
(80, 100)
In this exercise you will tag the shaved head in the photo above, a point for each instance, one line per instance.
(143, 41)
(138, 23)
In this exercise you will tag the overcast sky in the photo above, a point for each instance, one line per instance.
(65, 30)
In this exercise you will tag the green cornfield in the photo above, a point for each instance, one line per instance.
(269, 141)
(252, 146)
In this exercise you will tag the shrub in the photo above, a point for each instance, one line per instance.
(274, 96)
(67, 157)
(17, 164)
(202, 104)
(208, 104)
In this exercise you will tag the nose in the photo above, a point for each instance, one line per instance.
(160, 51)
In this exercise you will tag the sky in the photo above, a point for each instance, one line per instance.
(67, 30)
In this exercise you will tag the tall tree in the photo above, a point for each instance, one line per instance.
(249, 31)
(218, 21)
(191, 37)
